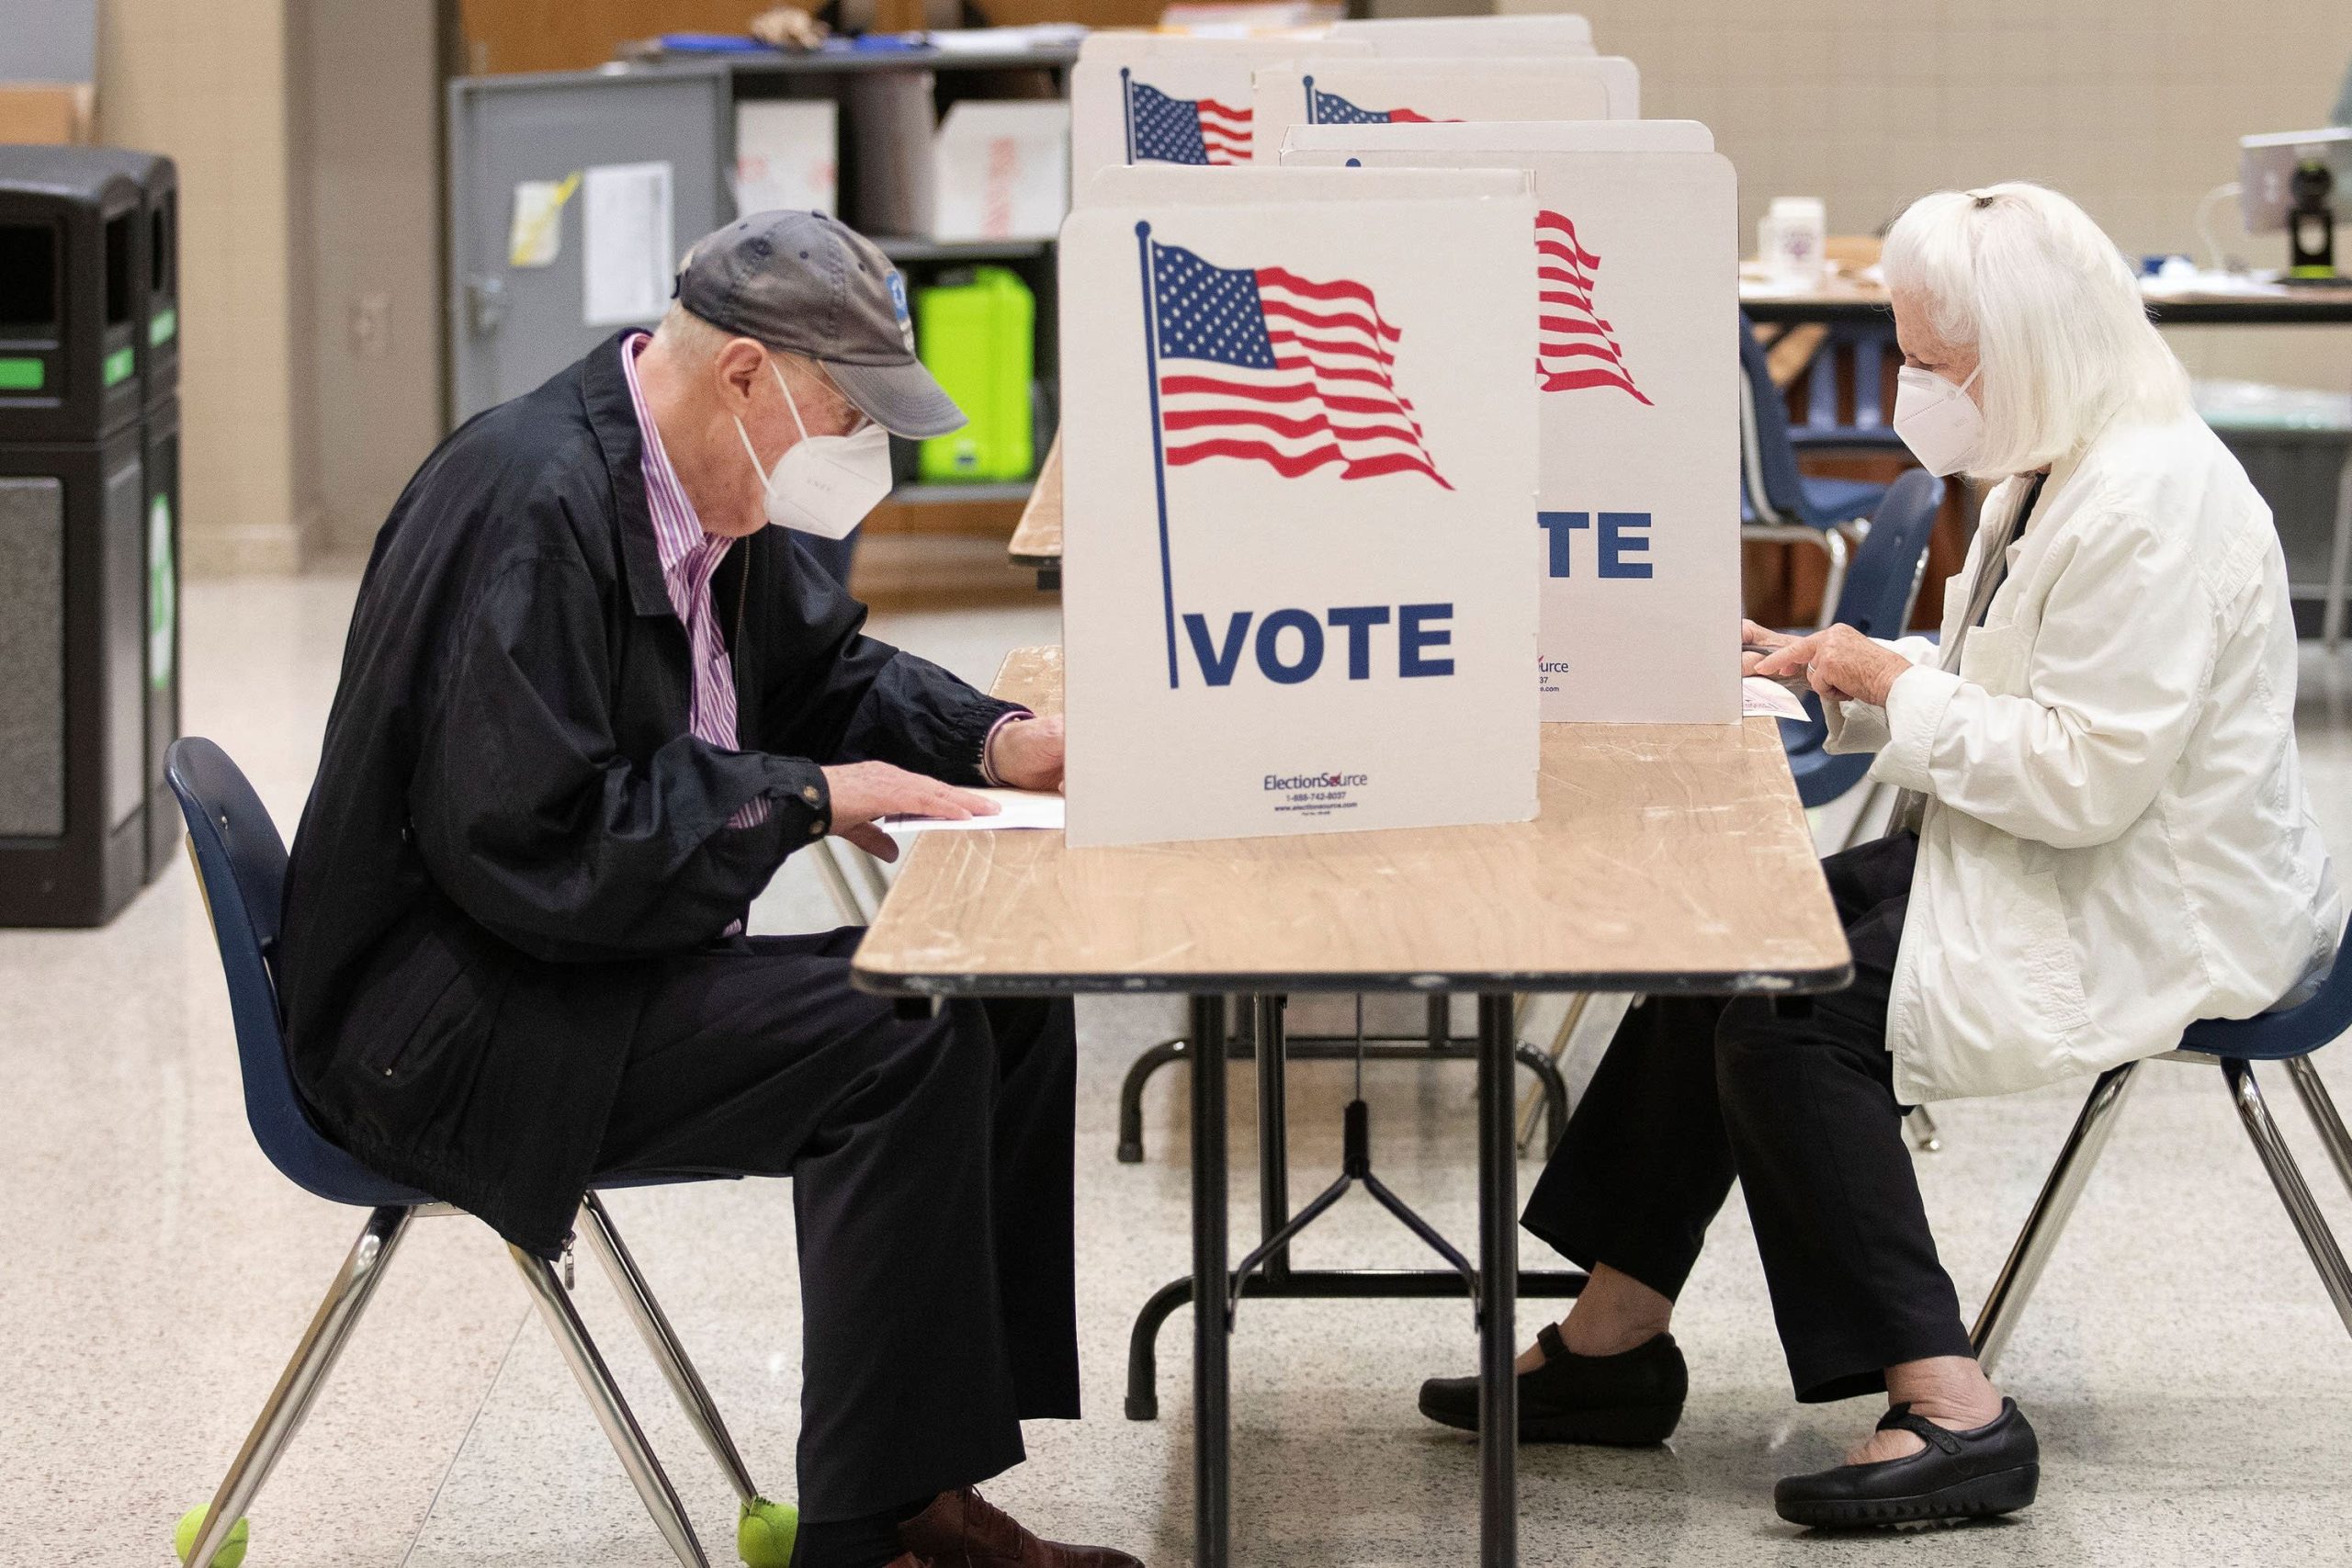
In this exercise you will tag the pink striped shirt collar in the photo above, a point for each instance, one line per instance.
(677, 530)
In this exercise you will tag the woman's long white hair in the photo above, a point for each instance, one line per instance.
(2064, 342)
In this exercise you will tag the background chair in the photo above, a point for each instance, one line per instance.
(2289, 1036)
(1881, 587)
(241, 868)
(1780, 506)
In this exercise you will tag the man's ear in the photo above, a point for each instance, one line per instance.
(738, 367)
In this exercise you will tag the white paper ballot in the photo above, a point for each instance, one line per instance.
(1758, 694)
(1015, 809)
(626, 244)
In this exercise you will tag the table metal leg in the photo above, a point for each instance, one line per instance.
(1211, 1433)
(1499, 1289)
(1274, 1134)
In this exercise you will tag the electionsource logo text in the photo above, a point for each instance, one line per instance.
(1317, 781)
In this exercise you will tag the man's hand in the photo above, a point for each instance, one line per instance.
(864, 791)
(1841, 664)
(1027, 753)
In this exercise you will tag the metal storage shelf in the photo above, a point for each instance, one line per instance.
(907, 247)
(919, 494)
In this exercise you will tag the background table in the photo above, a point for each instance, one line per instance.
(1038, 538)
(1852, 299)
(1665, 858)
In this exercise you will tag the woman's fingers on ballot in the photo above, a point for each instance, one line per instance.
(1788, 657)
(1754, 636)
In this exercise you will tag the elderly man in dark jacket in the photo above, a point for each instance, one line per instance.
(590, 702)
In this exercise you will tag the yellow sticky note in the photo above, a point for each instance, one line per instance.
(535, 236)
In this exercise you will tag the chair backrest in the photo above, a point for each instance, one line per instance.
(1768, 462)
(1882, 581)
(241, 865)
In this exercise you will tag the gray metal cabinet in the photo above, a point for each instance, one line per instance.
(512, 327)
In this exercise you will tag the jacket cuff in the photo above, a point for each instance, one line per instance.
(1915, 711)
(988, 742)
(799, 800)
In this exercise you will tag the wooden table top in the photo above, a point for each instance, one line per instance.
(1665, 858)
(1037, 539)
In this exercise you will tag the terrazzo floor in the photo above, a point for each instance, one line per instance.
(2192, 1384)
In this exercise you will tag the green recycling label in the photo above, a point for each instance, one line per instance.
(162, 593)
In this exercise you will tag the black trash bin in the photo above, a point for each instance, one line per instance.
(89, 528)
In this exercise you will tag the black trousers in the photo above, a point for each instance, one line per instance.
(1795, 1097)
(931, 1164)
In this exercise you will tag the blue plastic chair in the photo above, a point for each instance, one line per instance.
(1881, 588)
(2290, 1036)
(1778, 503)
(241, 868)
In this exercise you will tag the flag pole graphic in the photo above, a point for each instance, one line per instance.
(1311, 117)
(1159, 458)
(1128, 109)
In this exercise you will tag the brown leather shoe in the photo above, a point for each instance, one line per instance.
(962, 1530)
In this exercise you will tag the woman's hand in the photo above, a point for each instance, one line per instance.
(1841, 664)
(1753, 637)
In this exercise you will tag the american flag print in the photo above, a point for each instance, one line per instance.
(1164, 130)
(1330, 109)
(1573, 347)
(1279, 369)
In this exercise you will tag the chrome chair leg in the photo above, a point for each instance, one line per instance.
(1532, 1101)
(1872, 789)
(846, 902)
(2050, 1210)
(305, 1374)
(669, 1355)
(2323, 1113)
(612, 1410)
(878, 887)
(2310, 1224)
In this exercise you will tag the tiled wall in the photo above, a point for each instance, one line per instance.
(209, 85)
(2132, 107)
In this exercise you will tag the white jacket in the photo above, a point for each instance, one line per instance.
(2117, 841)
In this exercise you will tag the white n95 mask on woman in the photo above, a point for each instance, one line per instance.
(1940, 422)
(823, 484)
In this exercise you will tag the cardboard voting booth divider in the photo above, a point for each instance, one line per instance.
(1322, 90)
(1161, 99)
(1270, 182)
(1463, 37)
(1298, 450)
(1639, 407)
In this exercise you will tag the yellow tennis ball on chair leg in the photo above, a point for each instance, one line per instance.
(765, 1532)
(230, 1555)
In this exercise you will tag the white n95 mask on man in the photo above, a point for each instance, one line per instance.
(1940, 422)
(823, 484)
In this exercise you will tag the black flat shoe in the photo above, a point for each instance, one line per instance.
(1993, 1469)
(1628, 1400)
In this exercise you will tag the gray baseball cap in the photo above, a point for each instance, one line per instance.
(802, 283)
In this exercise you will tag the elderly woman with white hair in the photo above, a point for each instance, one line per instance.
(2102, 835)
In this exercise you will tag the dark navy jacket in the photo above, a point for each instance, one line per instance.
(512, 823)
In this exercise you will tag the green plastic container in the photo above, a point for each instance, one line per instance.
(977, 333)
